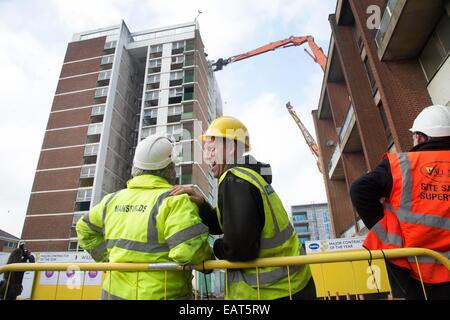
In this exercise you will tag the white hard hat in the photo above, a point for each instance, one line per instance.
(153, 153)
(434, 121)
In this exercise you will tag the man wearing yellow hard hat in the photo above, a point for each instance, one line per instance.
(250, 216)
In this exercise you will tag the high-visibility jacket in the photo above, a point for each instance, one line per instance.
(417, 213)
(278, 239)
(142, 224)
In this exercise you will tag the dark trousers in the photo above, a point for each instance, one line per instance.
(307, 293)
(406, 287)
(14, 290)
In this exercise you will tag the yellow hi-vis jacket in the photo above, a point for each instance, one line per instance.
(142, 224)
(278, 239)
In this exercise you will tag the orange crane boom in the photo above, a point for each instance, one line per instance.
(317, 53)
(308, 137)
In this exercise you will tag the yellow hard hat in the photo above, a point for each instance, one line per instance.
(229, 128)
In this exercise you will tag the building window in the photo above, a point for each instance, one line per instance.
(188, 93)
(174, 129)
(302, 216)
(327, 231)
(175, 95)
(326, 216)
(73, 245)
(94, 128)
(150, 117)
(188, 76)
(87, 172)
(177, 62)
(101, 92)
(84, 195)
(148, 132)
(82, 206)
(110, 45)
(98, 110)
(107, 59)
(153, 81)
(373, 84)
(190, 45)
(175, 110)
(104, 75)
(301, 229)
(176, 78)
(437, 49)
(151, 99)
(154, 66)
(91, 150)
(156, 51)
(385, 22)
(177, 47)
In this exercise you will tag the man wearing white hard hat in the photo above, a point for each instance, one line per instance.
(143, 224)
(405, 202)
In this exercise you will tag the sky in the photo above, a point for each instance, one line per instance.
(34, 37)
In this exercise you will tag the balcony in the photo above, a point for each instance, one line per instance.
(335, 168)
(349, 122)
(189, 61)
(188, 96)
(188, 77)
(84, 195)
(190, 45)
(187, 116)
(349, 138)
(87, 172)
(394, 38)
(107, 62)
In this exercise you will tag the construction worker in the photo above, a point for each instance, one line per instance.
(250, 216)
(11, 285)
(405, 202)
(143, 224)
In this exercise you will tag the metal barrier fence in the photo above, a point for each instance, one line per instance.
(320, 258)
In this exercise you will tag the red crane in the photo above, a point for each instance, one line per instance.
(317, 53)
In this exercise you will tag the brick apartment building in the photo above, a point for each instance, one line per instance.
(375, 83)
(115, 88)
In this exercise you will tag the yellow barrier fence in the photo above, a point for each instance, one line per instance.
(314, 259)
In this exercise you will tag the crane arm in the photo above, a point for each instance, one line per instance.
(317, 52)
(308, 137)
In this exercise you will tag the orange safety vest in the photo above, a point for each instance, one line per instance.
(417, 213)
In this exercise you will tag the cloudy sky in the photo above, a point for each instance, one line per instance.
(34, 37)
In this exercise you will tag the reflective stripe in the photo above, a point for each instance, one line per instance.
(152, 233)
(90, 225)
(105, 207)
(428, 259)
(137, 245)
(420, 218)
(264, 277)
(186, 234)
(98, 251)
(252, 176)
(387, 238)
(107, 296)
(405, 167)
(278, 239)
(152, 245)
